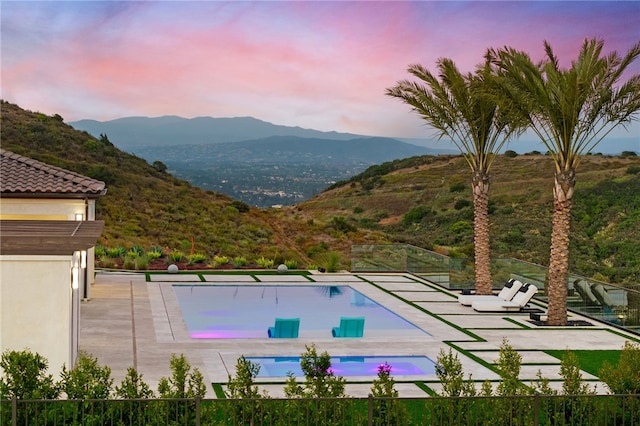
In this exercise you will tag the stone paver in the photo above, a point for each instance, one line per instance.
(174, 278)
(283, 278)
(425, 296)
(228, 278)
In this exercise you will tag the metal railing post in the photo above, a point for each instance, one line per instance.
(370, 410)
(14, 411)
(536, 409)
(198, 405)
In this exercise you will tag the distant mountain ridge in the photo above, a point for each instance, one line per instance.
(135, 132)
(132, 133)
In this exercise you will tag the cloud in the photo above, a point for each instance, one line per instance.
(321, 65)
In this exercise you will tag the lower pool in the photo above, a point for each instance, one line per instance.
(348, 365)
(247, 311)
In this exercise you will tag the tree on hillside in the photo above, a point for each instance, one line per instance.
(456, 106)
(571, 111)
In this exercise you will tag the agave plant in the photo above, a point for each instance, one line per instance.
(176, 256)
(264, 262)
(196, 258)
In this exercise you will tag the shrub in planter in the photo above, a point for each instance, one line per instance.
(116, 252)
(99, 251)
(291, 264)
(176, 256)
(154, 255)
(196, 258)
(239, 261)
(25, 376)
(87, 379)
(129, 263)
(387, 411)
(264, 263)
(333, 261)
(142, 263)
(107, 262)
(156, 249)
(220, 260)
(137, 249)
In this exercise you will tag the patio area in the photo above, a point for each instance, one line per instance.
(130, 322)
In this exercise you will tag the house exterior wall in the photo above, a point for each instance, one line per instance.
(53, 209)
(41, 209)
(35, 307)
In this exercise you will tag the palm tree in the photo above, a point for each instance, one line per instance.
(571, 111)
(458, 108)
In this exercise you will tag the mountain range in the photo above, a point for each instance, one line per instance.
(131, 133)
(260, 163)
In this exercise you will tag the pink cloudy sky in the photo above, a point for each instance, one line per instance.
(320, 65)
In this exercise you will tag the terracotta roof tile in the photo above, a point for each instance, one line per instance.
(23, 176)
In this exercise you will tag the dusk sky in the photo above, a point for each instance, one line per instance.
(318, 65)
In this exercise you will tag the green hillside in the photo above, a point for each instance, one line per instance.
(425, 201)
(147, 207)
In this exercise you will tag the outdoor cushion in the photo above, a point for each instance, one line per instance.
(601, 294)
(585, 292)
(509, 290)
(285, 328)
(349, 327)
(519, 301)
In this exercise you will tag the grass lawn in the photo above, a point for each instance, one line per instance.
(590, 361)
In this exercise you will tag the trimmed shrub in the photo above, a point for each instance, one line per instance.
(24, 376)
(87, 380)
(623, 378)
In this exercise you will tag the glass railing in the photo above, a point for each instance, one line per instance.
(615, 304)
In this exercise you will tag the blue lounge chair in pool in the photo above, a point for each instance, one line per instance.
(285, 328)
(349, 327)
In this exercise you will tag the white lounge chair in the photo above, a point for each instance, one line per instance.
(519, 301)
(508, 291)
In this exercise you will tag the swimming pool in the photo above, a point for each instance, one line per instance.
(247, 311)
(348, 366)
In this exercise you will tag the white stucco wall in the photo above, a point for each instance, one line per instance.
(41, 209)
(51, 209)
(35, 307)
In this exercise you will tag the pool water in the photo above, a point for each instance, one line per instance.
(247, 311)
(348, 366)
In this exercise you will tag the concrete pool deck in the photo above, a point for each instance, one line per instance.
(130, 322)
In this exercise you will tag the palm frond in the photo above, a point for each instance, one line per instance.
(456, 105)
(571, 110)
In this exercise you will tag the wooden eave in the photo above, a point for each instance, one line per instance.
(48, 237)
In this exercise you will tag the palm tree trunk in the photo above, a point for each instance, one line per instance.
(481, 232)
(559, 259)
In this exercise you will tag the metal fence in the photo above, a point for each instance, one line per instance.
(602, 410)
(610, 303)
